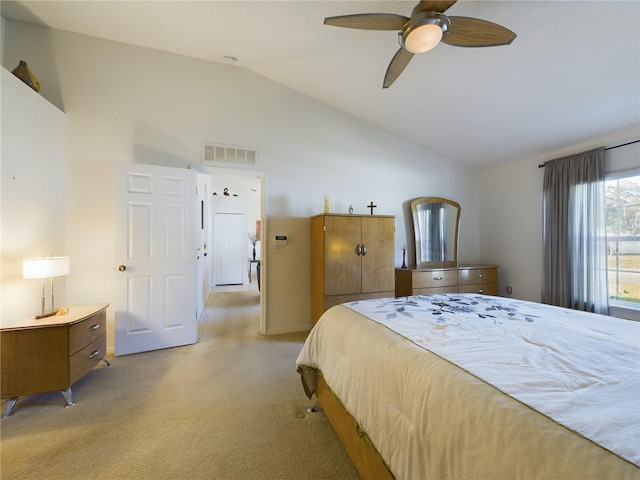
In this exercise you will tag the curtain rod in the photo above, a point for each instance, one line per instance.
(542, 165)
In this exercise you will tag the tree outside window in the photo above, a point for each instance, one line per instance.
(622, 210)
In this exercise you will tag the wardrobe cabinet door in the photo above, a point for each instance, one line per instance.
(342, 261)
(378, 263)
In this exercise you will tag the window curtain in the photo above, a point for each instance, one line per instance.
(574, 235)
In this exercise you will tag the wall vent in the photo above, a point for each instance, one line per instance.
(228, 156)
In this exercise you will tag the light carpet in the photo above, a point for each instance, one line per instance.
(229, 407)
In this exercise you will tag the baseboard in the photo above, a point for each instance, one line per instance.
(292, 329)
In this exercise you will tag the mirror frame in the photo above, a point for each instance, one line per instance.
(414, 210)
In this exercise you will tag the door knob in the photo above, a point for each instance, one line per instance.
(121, 268)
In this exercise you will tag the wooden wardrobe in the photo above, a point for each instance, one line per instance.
(352, 258)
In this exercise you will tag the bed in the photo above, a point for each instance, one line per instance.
(473, 386)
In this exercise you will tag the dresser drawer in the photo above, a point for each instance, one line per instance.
(434, 279)
(477, 276)
(484, 288)
(83, 333)
(83, 361)
(435, 290)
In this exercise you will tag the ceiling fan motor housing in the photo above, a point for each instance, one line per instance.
(419, 34)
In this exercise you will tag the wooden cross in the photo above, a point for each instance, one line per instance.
(372, 206)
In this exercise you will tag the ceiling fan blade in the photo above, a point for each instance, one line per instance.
(473, 32)
(369, 21)
(434, 5)
(398, 63)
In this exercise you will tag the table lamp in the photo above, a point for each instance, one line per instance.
(45, 269)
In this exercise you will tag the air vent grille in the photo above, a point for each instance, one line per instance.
(228, 155)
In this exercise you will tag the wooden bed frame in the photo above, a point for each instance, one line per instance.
(538, 446)
(363, 453)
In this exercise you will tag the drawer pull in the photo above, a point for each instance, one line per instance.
(94, 328)
(480, 275)
(481, 291)
(94, 354)
(438, 278)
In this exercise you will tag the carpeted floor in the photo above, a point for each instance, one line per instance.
(229, 407)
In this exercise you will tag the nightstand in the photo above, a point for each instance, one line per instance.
(51, 353)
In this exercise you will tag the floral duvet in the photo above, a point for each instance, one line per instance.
(472, 386)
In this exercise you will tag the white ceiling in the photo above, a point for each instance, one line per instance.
(572, 73)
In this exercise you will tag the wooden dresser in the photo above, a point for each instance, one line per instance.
(352, 258)
(461, 279)
(51, 353)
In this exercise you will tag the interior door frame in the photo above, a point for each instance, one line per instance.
(264, 234)
(264, 241)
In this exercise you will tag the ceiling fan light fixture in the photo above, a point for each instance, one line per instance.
(424, 32)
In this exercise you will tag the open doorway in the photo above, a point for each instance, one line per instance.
(233, 225)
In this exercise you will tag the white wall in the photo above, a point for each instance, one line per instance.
(34, 180)
(130, 104)
(511, 212)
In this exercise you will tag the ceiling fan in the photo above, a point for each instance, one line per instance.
(427, 26)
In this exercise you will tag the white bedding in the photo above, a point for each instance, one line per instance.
(564, 401)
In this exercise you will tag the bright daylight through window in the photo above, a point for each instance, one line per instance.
(622, 210)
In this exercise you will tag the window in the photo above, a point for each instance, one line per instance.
(622, 211)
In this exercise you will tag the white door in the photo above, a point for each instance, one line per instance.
(229, 244)
(156, 258)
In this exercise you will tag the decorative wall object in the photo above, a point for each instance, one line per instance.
(23, 73)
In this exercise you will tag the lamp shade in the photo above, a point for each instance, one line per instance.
(45, 267)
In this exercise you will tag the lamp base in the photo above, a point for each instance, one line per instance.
(47, 314)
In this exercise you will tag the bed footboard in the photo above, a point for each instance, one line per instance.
(363, 453)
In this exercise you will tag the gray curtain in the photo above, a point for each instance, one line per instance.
(574, 236)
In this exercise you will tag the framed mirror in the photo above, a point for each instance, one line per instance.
(435, 225)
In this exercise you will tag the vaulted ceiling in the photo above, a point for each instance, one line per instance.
(572, 73)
